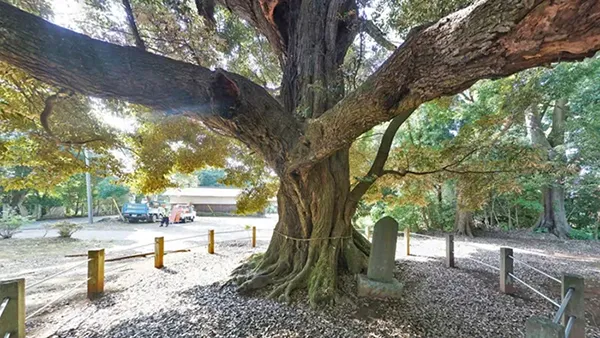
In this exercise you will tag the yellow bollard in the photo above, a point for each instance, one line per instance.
(254, 237)
(12, 321)
(407, 240)
(159, 252)
(211, 241)
(95, 284)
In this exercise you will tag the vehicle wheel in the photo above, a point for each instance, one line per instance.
(152, 219)
(183, 220)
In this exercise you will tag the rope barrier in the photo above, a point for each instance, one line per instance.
(534, 290)
(232, 231)
(131, 248)
(120, 269)
(58, 273)
(482, 263)
(70, 291)
(182, 238)
(426, 236)
(3, 305)
(563, 305)
(197, 246)
(535, 269)
(309, 239)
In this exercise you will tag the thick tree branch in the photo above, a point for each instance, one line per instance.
(73, 61)
(139, 43)
(96, 68)
(376, 34)
(490, 39)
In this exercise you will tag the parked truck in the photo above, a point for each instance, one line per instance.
(182, 213)
(144, 212)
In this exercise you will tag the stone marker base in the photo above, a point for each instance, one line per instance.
(374, 289)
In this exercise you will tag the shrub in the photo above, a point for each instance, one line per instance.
(580, 234)
(66, 229)
(10, 224)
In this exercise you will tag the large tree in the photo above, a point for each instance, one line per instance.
(304, 135)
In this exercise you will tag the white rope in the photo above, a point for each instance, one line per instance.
(70, 291)
(534, 290)
(426, 236)
(131, 248)
(531, 267)
(56, 274)
(232, 231)
(182, 238)
(7, 335)
(482, 263)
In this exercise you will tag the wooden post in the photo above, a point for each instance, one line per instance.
(254, 237)
(211, 241)
(576, 307)
(449, 250)
(506, 267)
(159, 252)
(95, 284)
(539, 327)
(12, 320)
(407, 240)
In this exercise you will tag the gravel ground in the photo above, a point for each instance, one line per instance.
(189, 299)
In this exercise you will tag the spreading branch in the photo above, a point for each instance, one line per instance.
(222, 100)
(376, 169)
(492, 38)
(377, 34)
(45, 116)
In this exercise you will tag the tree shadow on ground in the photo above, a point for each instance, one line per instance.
(216, 311)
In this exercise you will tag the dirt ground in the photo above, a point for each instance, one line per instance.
(190, 296)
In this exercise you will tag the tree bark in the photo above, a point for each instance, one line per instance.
(553, 217)
(463, 220)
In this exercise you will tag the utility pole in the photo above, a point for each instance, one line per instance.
(88, 183)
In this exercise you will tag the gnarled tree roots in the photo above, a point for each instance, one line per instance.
(290, 264)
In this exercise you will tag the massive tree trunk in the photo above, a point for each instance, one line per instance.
(463, 221)
(305, 138)
(553, 217)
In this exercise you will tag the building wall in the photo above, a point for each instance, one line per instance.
(202, 200)
(207, 204)
(221, 208)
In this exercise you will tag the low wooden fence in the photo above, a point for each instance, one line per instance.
(569, 319)
(12, 292)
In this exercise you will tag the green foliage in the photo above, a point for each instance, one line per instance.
(108, 188)
(258, 182)
(10, 223)
(66, 229)
(479, 139)
(211, 177)
(581, 234)
(406, 14)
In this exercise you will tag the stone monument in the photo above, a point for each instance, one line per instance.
(379, 281)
